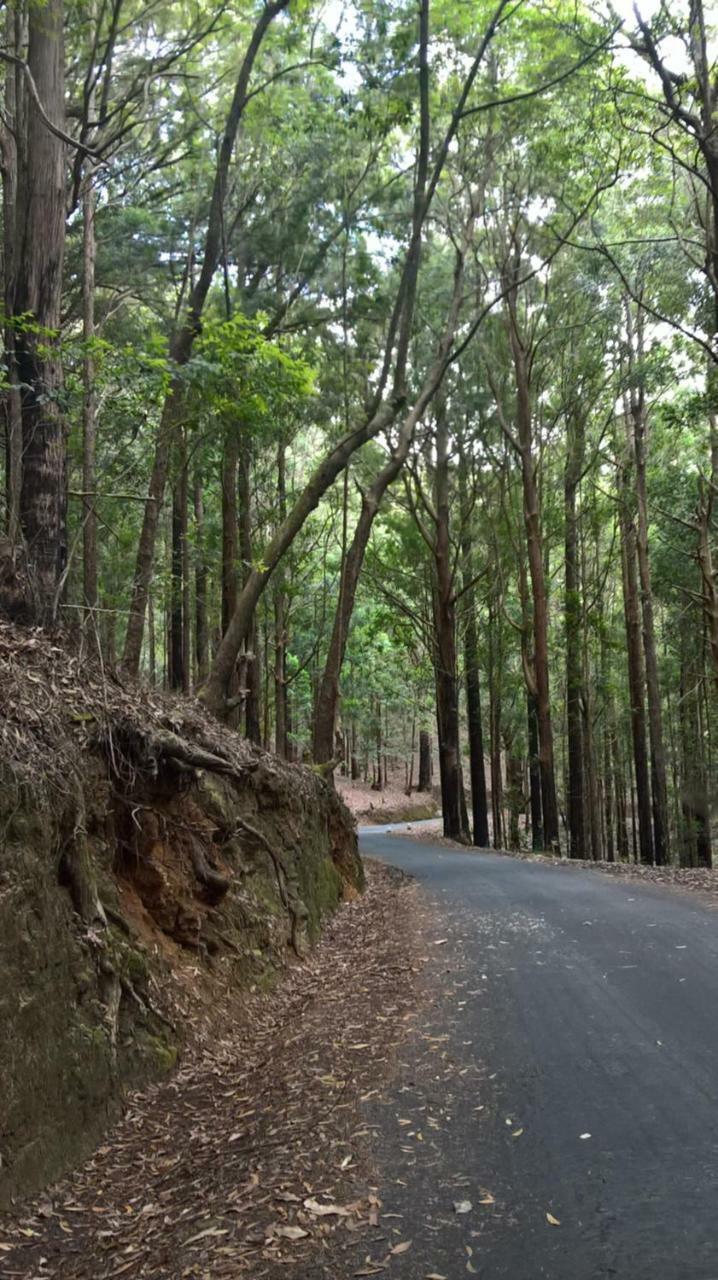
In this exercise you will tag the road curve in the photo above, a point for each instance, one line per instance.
(568, 1067)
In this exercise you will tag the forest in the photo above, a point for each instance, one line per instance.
(360, 377)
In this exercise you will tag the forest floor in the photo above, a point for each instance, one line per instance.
(390, 805)
(257, 1153)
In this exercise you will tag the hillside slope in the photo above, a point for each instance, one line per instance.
(152, 864)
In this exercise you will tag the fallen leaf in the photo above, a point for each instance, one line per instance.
(325, 1210)
(210, 1231)
(401, 1248)
(487, 1199)
(553, 1222)
(462, 1206)
(289, 1233)
(517, 1133)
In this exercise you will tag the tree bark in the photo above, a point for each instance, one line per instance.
(10, 130)
(280, 624)
(695, 804)
(201, 581)
(479, 809)
(252, 712)
(179, 655)
(636, 676)
(573, 614)
(537, 841)
(89, 397)
(424, 783)
(230, 544)
(636, 429)
(495, 667)
(445, 659)
(40, 228)
(175, 669)
(523, 443)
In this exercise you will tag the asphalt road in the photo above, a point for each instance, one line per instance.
(567, 1065)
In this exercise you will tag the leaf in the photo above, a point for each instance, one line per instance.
(434, 1275)
(553, 1222)
(401, 1248)
(487, 1199)
(289, 1233)
(462, 1206)
(210, 1231)
(517, 1133)
(325, 1210)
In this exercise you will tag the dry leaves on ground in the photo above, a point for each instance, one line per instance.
(255, 1152)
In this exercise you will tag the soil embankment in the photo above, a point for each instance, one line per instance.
(152, 865)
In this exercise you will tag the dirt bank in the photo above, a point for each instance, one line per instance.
(151, 864)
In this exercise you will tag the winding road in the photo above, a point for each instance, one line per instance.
(563, 1083)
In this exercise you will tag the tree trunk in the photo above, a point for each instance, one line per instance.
(280, 623)
(445, 663)
(89, 398)
(573, 615)
(10, 130)
(534, 547)
(424, 761)
(537, 842)
(40, 228)
(635, 675)
(175, 661)
(201, 581)
(178, 656)
(695, 806)
(636, 431)
(479, 810)
(514, 794)
(495, 666)
(252, 710)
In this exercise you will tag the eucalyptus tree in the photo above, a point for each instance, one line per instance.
(35, 232)
(391, 392)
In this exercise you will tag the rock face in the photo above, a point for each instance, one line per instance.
(151, 864)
